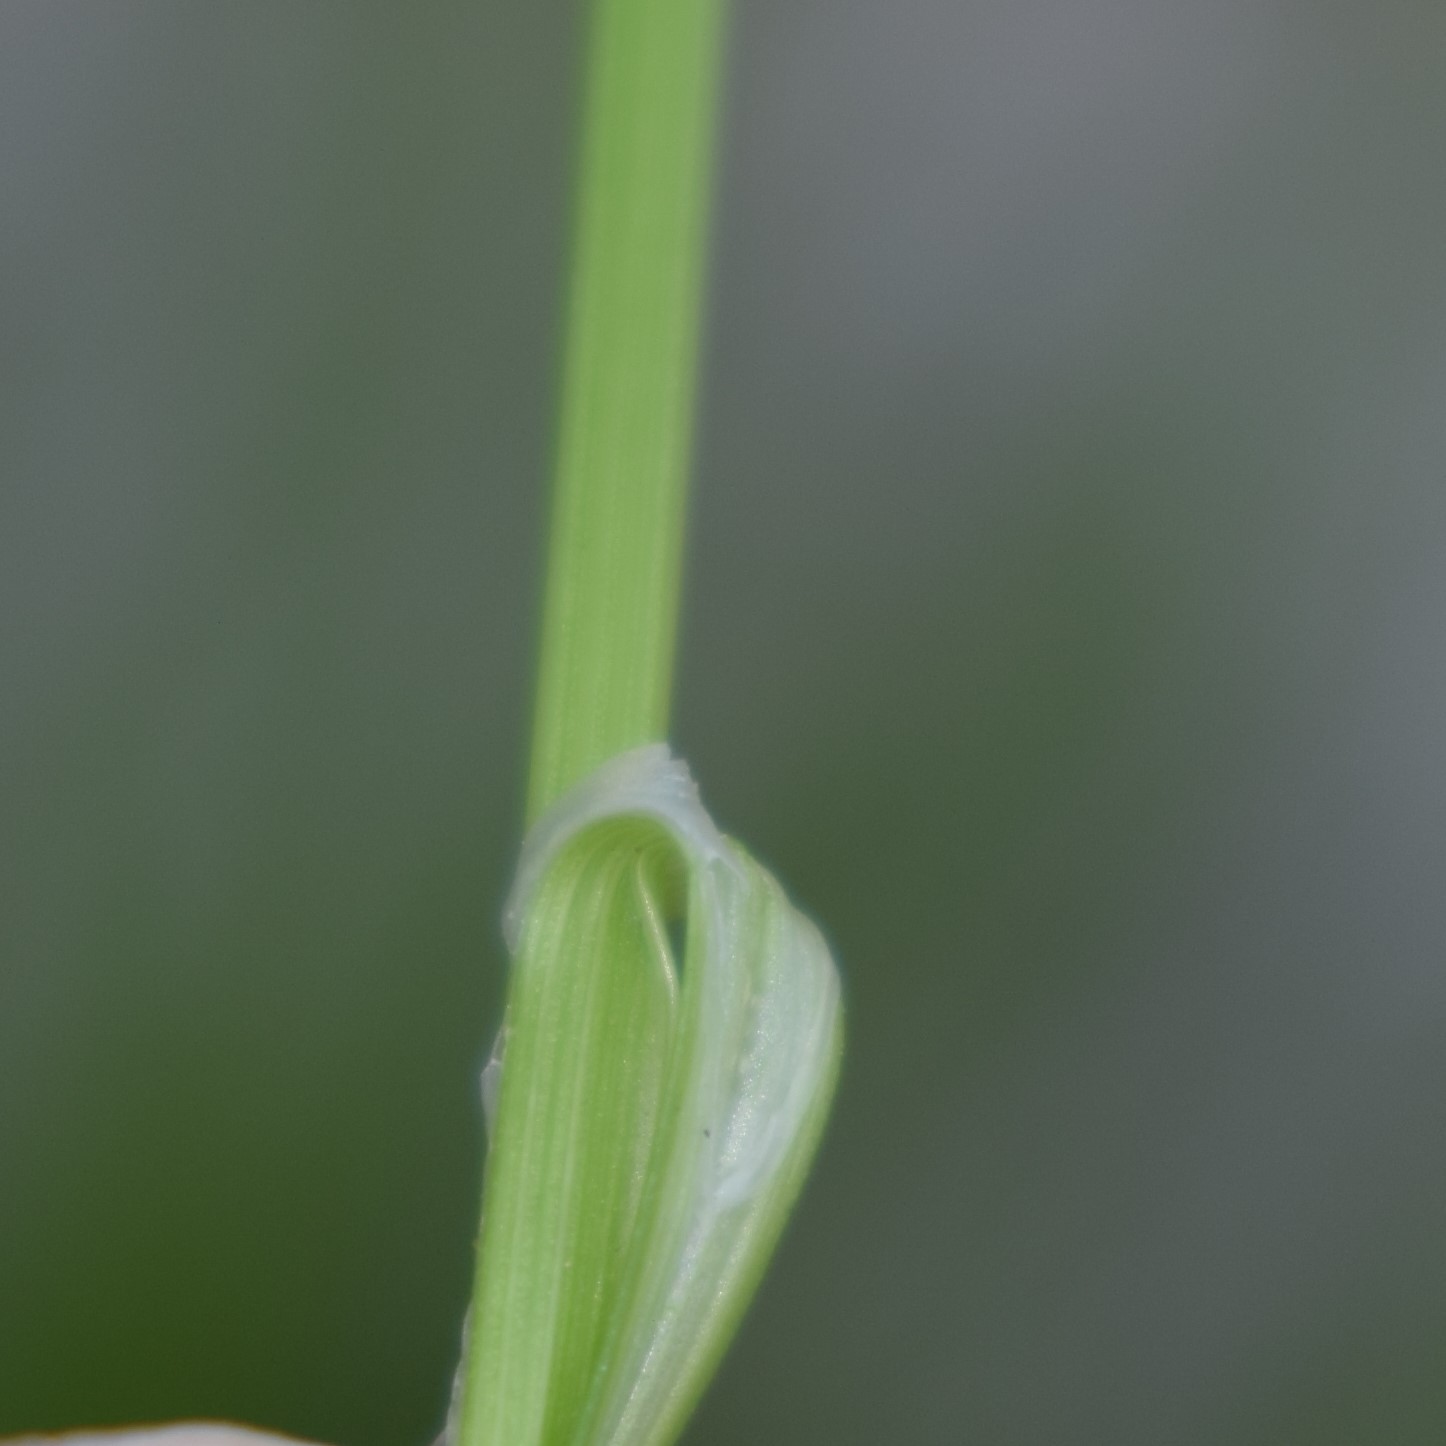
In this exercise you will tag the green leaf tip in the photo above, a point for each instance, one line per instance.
(652, 1126)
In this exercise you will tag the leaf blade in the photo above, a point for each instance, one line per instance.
(666, 1193)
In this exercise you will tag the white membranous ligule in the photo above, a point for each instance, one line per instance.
(750, 1057)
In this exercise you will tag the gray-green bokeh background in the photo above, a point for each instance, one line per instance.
(1064, 623)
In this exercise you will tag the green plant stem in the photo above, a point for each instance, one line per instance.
(611, 603)
(589, 1013)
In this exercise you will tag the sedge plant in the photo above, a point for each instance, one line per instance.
(672, 1028)
(652, 1116)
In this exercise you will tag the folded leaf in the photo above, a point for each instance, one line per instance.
(652, 1128)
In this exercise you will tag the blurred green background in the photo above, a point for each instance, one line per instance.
(1065, 624)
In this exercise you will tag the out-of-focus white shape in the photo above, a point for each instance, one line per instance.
(179, 1433)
